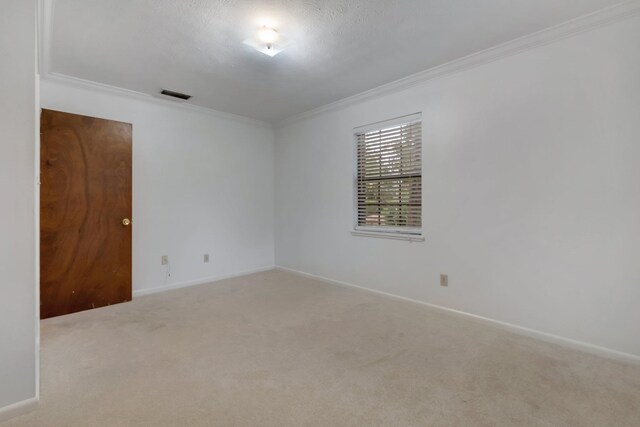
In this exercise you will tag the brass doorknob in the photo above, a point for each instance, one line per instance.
(126, 222)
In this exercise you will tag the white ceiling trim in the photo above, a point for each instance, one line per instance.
(88, 84)
(585, 23)
(552, 34)
(45, 30)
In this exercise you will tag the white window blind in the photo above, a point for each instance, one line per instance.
(389, 176)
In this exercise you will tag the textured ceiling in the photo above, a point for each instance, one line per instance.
(341, 47)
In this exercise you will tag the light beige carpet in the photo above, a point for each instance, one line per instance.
(276, 349)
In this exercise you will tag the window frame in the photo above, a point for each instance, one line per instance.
(396, 233)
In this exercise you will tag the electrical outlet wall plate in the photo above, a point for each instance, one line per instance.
(444, 280)
(165, 259)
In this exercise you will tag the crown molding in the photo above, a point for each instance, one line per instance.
(91, 85)
(45, 29)
(547, 36)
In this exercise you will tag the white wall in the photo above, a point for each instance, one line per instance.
(201, 184)
(17, 193)
(531, 191)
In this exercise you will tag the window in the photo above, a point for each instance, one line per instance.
(388, 178)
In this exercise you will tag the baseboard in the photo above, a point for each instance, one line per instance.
(142, 292)
(17, 409)
(520, 330)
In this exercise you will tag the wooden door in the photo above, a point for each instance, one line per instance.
(85, 203)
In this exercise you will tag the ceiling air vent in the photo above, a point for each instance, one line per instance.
(173, 94)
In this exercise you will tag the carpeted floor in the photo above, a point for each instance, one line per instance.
(276, 349)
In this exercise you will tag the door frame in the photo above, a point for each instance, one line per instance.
(36, 266)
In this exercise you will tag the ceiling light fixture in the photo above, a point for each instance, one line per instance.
(268, 41)
(268, 35)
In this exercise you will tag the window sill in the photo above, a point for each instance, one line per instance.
(389, 236)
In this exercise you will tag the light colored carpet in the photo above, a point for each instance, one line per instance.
(276, 349)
